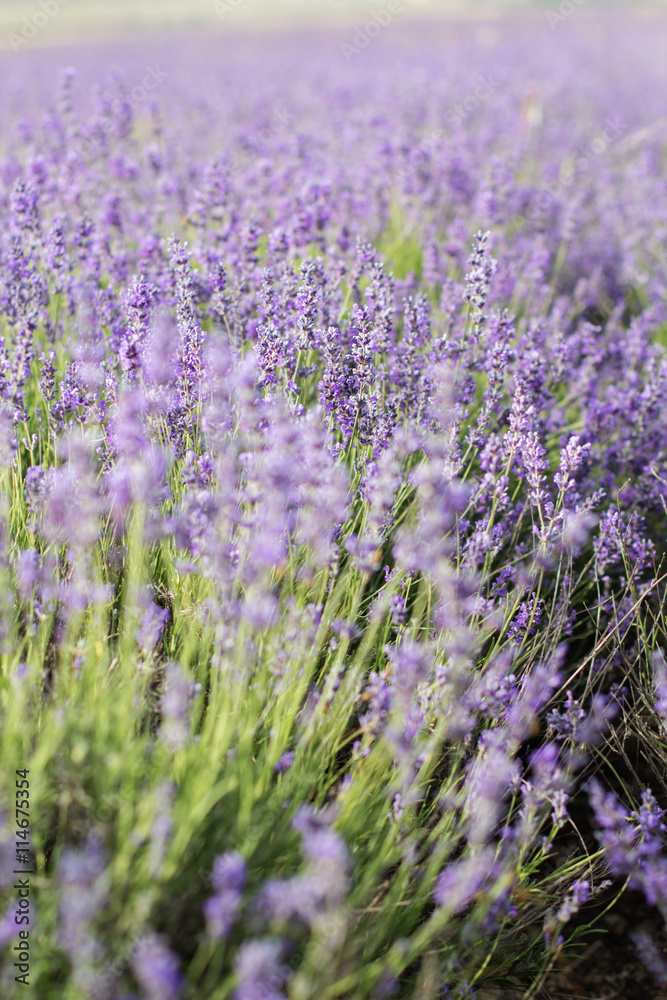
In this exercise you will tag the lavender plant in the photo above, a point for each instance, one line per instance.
(332, 517)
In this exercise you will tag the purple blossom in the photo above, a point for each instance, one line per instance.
(660, 683)
(573, 457)
(228, 879)
(622, 546)
(161, 828)
(84, 883)
(459, 882)
(260, 970)
(619, 835)
(651, 955)
(175, 705)
(580, 725)
(138, 304)
(157, 969)
(8, 927)
(152, 622)
(478, 279)
(527, 620)
(321, 885)
(496, 689)
(559, 813)
(579, 893)
(379, 482)
(490, 778)
(285, 762)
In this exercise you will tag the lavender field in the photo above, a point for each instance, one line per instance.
(333, 511)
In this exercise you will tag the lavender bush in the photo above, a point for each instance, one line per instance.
(334, 471)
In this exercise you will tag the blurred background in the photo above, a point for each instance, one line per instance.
(52, 22)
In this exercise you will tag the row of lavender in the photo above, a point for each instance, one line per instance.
(334, 469)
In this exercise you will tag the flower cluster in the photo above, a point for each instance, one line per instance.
(332, 512)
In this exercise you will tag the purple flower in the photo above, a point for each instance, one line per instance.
(651, 955)
(650, 818)
(577, 527)
(478, 280)
(157, 969)
(307, 300)
(190, 358)
(579, 893)
(161, 828)
(573, 457)
(47, 377)
(559, 812)
(526, 621)
(579, 725)
(460, 880)
(491, 776)
(536, 691)
(227, 878)
(622, 544)
(73, 505)
(618, 835)
(496, 689)
(24, 207)
(138, 304)
(660, 683)
(321, 885)
(175, 705)
(152, 622)
(84, 884)
(260, 970)
(285, 762)
(8, 926)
